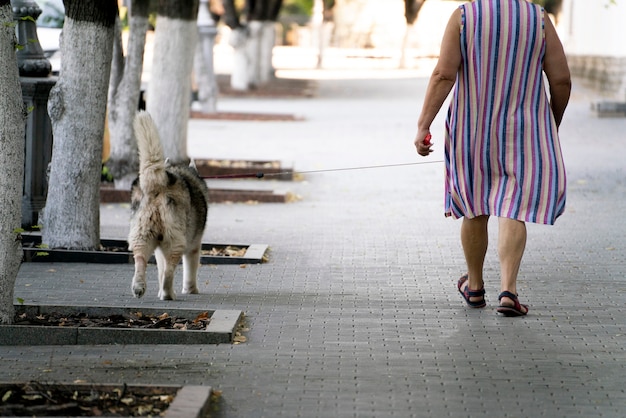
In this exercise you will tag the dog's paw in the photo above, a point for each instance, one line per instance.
(190, 290)
(163, 295)
(139, 290)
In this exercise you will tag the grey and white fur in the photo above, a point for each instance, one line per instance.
(169, 205)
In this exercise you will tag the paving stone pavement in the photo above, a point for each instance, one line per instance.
(356, 313)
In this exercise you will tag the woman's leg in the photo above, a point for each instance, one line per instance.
(474, 238)
(511, 245)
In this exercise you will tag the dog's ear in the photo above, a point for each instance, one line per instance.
(192, 165)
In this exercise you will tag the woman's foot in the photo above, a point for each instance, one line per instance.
(510, 306)
(473, 298)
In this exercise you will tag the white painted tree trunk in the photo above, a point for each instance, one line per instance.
(239, 78)
(169, 91)
(402, 64)
(204, 69)
(318, 30)
(205, 74)
(77, 108)
(253, 50)
(124, 90)
(266, 52)
(12, 126)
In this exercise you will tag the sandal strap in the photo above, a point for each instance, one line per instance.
(507, 294)
(469, 292)
(517, 306)
(475, 293)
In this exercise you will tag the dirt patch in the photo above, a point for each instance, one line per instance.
(47, 400)
(130, 320)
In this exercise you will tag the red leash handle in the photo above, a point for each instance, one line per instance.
(427, 139)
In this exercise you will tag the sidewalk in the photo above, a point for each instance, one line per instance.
(356, 313)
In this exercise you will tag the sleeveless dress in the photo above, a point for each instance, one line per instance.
(502, 151)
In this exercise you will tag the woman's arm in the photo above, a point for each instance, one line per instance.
(441, 81)
(556, 69)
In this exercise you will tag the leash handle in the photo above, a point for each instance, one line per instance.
(427, 139)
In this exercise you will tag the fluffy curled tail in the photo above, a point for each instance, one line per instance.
(151, 160)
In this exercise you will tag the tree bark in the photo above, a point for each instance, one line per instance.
(169, 91)
(124, 90)
(12, 127)
(77, 109)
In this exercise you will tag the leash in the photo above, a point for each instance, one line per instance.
(260, 174)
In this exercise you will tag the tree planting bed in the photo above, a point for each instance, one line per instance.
(277, 87)
(273, 169)
(116, 252)
(120, 400)
(91, 325)
(245, 116)
(109, 194)
(225, 169)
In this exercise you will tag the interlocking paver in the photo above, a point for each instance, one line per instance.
(356, 313)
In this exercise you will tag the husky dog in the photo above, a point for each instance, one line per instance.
(169, 206)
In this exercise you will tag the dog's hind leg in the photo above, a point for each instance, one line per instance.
(167, 265)
(141, 255)
(160, 260)
(191, 262)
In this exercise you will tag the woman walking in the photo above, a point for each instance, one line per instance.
(502, 151)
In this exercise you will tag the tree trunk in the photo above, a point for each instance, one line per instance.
(411, 11)
(204, 69)
(262, 16)
(124, 90)
(169, 91)
(403, 49)
(268, 41)
(12, 126)
(253, 53)
(77, 109)
(238, 39)
(239, 79)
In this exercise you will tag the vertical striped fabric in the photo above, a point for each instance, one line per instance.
(503, 156)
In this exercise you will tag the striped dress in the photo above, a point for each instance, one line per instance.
(502, 151)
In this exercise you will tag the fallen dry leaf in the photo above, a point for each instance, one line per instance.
(228, 251)
(201, 317)
(238, 338)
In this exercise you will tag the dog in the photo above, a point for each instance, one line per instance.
(169, 206)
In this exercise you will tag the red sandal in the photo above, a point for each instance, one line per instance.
(467, 293)
(515, 310)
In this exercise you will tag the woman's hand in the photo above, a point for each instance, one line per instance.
(423, 144)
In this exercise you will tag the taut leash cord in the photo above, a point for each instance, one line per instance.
(260, 174)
